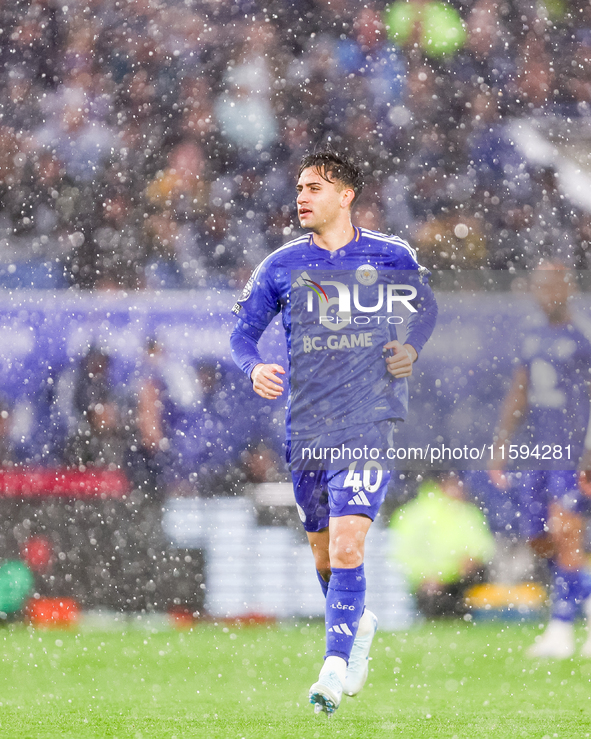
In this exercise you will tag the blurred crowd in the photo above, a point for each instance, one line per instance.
(155, 144)
(170, 428)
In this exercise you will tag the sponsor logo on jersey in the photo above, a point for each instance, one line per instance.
(315, 343)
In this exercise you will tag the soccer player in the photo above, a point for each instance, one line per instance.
(549, 400)
(337, 287)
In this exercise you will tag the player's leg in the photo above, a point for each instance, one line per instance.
(571, 580)
(319, 541)
(345, 598)
(572, 585)
(354, 502)
(345, 601)
(534, 509)
(357, 666)
(347, 535)
(311, 494)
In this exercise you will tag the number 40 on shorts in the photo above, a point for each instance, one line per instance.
(369, 478)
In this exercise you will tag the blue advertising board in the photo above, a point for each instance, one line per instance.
(456, 390)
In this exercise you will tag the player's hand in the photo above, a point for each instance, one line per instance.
(498, 479)
(265, 381)
(400, 358)
(585, 482)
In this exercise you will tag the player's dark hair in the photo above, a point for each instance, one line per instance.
(333, 167)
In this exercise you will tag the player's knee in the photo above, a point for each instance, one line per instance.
(346, 553)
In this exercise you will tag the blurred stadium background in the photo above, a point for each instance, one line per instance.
(147, 160)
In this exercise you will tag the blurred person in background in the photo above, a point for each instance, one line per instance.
(370, 56)
(81, 143)
(213, 440)
(185, 427)
(152, 456)
(547, 407)
(262, 464)
(91, 400)
(244, 109)
(7, 451)
(121, 252)
(182, 185)
(443, 543)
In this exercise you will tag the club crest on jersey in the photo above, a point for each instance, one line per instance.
(366, 275)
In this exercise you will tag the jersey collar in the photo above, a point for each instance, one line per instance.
(356, 238)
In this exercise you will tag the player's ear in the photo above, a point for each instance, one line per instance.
(347, 197)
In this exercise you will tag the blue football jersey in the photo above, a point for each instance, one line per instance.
(558, 362)
(338, 310)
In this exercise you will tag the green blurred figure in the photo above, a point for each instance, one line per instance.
(436, 27)
(16, 584)
(444, 544)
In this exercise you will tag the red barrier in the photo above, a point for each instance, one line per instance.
(61, 482)
(59, 612)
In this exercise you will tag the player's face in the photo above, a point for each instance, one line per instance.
(320, 203)
(551, 288)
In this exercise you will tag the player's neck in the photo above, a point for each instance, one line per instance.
(559, 316)
(335, 237)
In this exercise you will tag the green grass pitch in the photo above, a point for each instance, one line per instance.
(448, 679)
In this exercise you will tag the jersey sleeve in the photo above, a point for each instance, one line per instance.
(259, 302)
(422, 323)
(244, 345)
(256, 307)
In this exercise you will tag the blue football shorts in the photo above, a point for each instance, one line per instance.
(537, 489)
(355, 487)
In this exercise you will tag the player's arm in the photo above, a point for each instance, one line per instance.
(265, 381)
(149, 419)
(256, 308)
(512, 412)
(401, 357)
(245, 352)
(585, 463)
